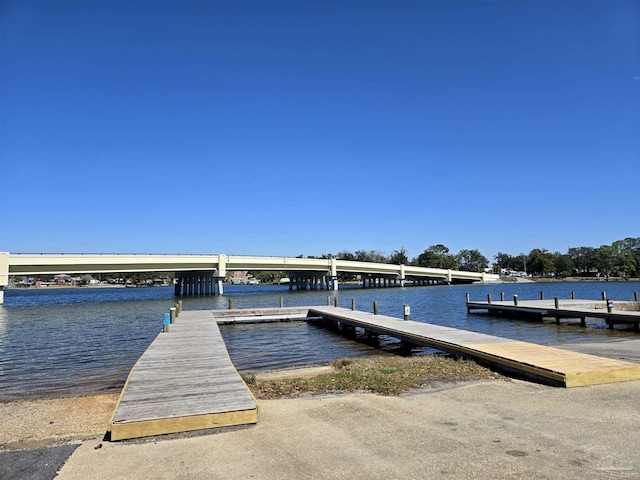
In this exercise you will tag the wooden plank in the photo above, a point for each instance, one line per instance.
(184, 381)
(543, 362)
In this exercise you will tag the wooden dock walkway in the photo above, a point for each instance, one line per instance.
(566, 309)
(547, 364)
(184, 381)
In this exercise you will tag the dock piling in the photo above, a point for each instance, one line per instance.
(488, 298)
(502, 296)
(635, 296)
(231, 304)
(353, 304)
(335, 301)
(541, 295)
(281, 302)
(515, 300)
(573, 295)
(165, 323)
(172, 315)
(604, 296)
(407, 312)
(375, 308)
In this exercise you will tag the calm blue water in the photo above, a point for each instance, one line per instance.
(64, 342)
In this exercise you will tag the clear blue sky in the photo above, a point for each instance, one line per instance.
(304, 127)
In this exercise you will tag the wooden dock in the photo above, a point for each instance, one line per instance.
(547, 364)
(564, 309)
(184, 381)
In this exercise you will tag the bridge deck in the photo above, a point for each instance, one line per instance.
(184, 381)
(552, 365)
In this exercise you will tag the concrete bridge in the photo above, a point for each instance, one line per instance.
(204, 274)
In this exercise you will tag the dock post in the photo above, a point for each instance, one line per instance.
(489, 298)
(375, 308)
(467, 297)
(604, 296)
(541, 295)
(635, 296)
(328, 300)
(573, 295)
(231, 304)
(515, 300)
(165, 323)
(407, 312)
(583, 321)
(556, 303)
(502, 296)
(353, 304)
(335, 301)
(179, 307)
(281, 302)
(172, 315)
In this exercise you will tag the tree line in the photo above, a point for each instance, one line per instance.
(620, 259)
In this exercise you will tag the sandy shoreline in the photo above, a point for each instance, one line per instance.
(38, 423)
(45, 422)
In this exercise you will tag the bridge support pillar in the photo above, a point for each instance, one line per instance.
(197, 283)
(4, 274)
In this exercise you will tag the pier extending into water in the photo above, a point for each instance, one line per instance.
(549, 365)
(185, 380)
(613, 313)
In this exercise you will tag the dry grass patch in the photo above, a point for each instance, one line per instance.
(385, 375)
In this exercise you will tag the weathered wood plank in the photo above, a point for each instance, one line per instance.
(543, 362)
(184, 381)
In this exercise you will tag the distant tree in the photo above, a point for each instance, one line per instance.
(345, 255)
(540, 262)
(582, 258)
(471, 261)
(606, 258)
(563, 265)
(628, 256)
(399, 257)
(436, 256)
(370, 256)
(502, 260)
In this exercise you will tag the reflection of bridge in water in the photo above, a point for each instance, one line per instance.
(204, 274)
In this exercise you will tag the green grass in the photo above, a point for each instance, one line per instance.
(385, 375)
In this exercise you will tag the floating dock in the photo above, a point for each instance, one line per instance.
(184, 381)
(547, 364)
(562, 309)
